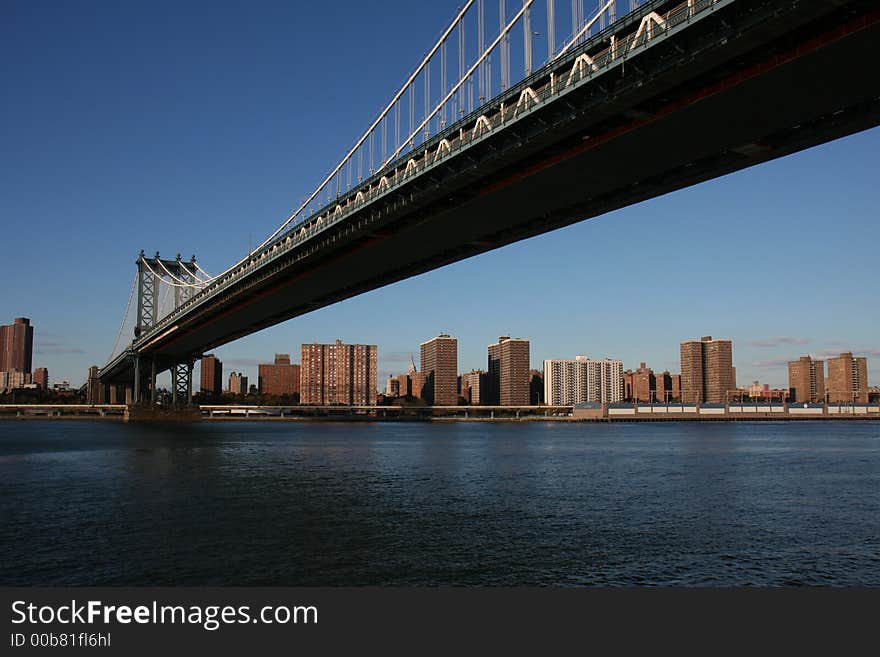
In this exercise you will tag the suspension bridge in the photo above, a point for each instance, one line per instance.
(522, 118)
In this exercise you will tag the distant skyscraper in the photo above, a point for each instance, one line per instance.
(279, 378)
(562, 385)
(392, 386)
(440, 370)
(692, 385)
(409, 384)
(707, 372)
(404, 385)
(848, 379)
(41, 378)
(416, 380)
(17, 346)
(473, 386)
(806, 380)
(641, 385)
(536, 387)
(212, 376)
(238, 384)
(508, 361)
(605, 380)
(338, 374)
(568, 382)
(667, 387)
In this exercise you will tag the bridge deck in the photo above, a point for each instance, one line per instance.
(749, 82)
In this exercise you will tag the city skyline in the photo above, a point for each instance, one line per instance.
(654, 269)
(251, 368)
(259, 365)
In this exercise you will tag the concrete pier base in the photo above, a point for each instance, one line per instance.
(138, 413)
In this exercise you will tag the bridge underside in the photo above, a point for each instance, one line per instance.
(753, 82)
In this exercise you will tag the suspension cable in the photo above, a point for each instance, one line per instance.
(124, 317)
(369, 132)
(209, 277)
(586, 27)
(178, 279)
(456, 23)
(526, 5)
(171, 283)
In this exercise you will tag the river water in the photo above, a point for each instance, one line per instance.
(323, 503)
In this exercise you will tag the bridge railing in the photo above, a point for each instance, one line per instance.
(579, 66)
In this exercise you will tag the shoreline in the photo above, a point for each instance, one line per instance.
(442, 414)
(449, 420)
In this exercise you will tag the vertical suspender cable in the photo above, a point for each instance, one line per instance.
(427, 98)
(527, 36)
(551, 28)
(443, 83)
(505, 48)
(354, 148)
(481, 47)
(460, 66)
(470, 72)
(397, 124)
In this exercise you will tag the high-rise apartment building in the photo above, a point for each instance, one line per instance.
(416, 384)
(641, 385)
(508, 372)
(692, 367)
(338, 374)
(806, 380)
(440, 370)
(41, 378)
(211, 376)
(17, 346)
(707, 372)
(568, 382)
(667, 387)
(238, 384)
(473, 386)
(564, 382)
(536, 387)
(605, 380)
(392, 386)
(676, 387)
(847, 379)
(280, 378)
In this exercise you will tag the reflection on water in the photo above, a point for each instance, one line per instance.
(90, 503)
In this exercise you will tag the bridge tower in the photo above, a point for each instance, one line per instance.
(182, 277)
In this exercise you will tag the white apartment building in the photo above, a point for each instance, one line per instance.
(580, 380)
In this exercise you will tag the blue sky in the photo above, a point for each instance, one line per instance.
(197, 127)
